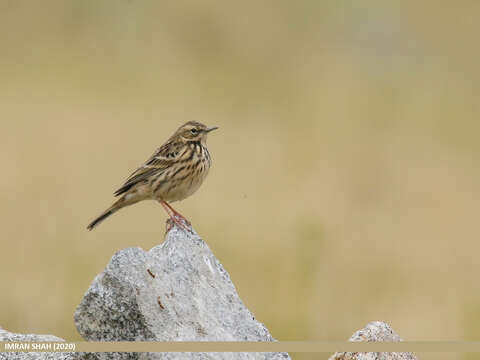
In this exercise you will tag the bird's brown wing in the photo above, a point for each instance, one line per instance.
(161, 160)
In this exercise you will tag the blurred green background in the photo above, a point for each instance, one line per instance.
(345, 181)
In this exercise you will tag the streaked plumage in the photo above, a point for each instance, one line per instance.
(175, 171)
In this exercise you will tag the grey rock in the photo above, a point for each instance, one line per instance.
(9, 336)
(374, 331)
(177, 291)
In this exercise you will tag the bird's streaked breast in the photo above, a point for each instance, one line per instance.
(186, 175)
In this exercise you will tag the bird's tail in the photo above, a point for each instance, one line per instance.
(111, 210)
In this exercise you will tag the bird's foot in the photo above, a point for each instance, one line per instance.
(176, 218)
(180, 221)
(169, 225)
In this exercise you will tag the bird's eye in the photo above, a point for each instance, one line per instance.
(193, 131)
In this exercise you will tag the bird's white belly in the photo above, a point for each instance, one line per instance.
(185, 188)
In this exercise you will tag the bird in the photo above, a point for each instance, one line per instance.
(174, 172)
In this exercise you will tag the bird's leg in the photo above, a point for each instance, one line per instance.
(176, 213)
(176, 217)
(173, 218)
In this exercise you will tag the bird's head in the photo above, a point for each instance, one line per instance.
(193, 131)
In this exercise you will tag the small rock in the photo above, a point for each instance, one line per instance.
(9, 336)
(374, 331)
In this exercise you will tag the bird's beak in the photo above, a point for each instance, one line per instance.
(211, 129)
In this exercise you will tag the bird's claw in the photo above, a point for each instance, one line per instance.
(181, 223)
